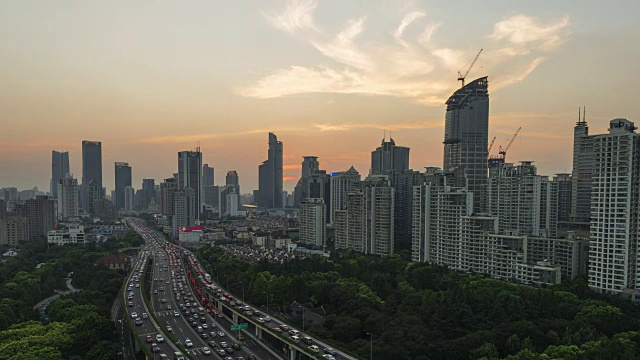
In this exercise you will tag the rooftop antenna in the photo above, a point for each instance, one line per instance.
(584, 114)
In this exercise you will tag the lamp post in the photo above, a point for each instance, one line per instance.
(371, 348)
(242, 282)
(266, 292)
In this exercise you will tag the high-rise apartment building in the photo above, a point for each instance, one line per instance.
(388, 157)
(614, 265)
(211, 196)
(68, 198)
(270, 176)
(565, 188)
(403, 182)
(168, 189)
(341, 184)
(14, 230)
(123, 179)
(185, 209)
(583, 162)
(524, 203)
(208, 174)
(59, 170)
(129, 201)
(149, 192)
(313, 222)
(310, 165)
(41, 214)
(466, 137)
(93, 195)
(366, 225)
(190, 175)
(232, 179)
(91, 167)
(3, 209)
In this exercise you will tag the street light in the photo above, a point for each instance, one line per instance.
(266, 292)
(371, 351)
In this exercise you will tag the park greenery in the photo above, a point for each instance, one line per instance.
(78, 324)
(422, 311)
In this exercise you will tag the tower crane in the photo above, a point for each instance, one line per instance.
(503, 152)
(462, 77)
(491, 144)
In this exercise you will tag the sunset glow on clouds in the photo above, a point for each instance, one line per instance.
(415, 66)
(331, 78)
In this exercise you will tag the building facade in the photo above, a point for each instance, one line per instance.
(313, 222)
(59, 170)
(68, 198)
(466, 137)
(270, 176)
(341, 184)
(389, 157)
(123, 179)
(190, 176)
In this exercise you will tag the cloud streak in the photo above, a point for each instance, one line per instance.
(409, 63)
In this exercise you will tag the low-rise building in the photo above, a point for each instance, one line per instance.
(72, 235)
(115, 262)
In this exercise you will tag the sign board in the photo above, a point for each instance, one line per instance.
(239, 326)
(190, 228)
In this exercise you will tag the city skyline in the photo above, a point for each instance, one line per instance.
(80, 85)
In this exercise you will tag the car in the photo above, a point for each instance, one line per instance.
(328, 357)
(213, 334)
(163, 301)
(221, 352)
(206, 351)
(246, 308)
(176, 314)
(220, 316)
(220, 333)
(212, 343)
(199, 329)
(224, 344)
(155, 348)
(229, 350)
(188, 343)
(204, 336)
(314, 348)
(130, 303)
(138, 321)
(149, 339)
(330, 351)
(159, 338)
(213, 325)
(249, 313)
(205, 326)
(155, 292)
(168, 307)
(284, 327)
(267, 319)
(134, 315)
(236, 346)
(261, 320)
(169, 329)
(203, 320)
(278, 330)
(145, 316)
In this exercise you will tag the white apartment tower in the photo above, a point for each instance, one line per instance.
(68, 198)
(313, 222)
(129, 198)
(341, 184)
(614, 260)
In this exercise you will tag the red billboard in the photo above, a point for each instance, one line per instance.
(190, 228)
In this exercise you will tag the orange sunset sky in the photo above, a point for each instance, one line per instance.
(149, 79)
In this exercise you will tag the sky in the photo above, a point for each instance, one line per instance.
(151, 78)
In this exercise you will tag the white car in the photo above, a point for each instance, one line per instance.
(134, 315)
(169, 328)
(328, 357)
(159, 338)
(206, 351)
(267, 319)
(188, 343)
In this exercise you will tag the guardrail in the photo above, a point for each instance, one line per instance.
(132, 328)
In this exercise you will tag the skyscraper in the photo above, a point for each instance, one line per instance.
(123, 179)
(167, 196)
(270, 176)
(313, 222)
(466, 137)
(190, 176)
(583, 163)
(41, 212)
(91, 168)
(233, 180)
(310, 165)
(68, 198)
(149, 191)
(59, 169)
(185, 209)
(207, 175)
(341, 184)
(615, 219)
(388, 157)
(129, 202)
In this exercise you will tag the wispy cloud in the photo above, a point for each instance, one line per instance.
(298, 15)
(407, 64)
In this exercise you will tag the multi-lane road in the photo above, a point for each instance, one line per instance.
(170, 293)
(204, 331)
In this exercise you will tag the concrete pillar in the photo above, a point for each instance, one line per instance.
(293, 353)
(219, 303)
(235, 318)
(258, 333)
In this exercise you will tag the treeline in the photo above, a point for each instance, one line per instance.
(79, 325)
(421, 311)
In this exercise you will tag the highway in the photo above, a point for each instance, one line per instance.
(170, 293)
(137, 312)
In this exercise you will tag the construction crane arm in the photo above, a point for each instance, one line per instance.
(462, 77)
(491, 144)
(512, 139)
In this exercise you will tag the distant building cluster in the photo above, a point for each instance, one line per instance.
(477, 213)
